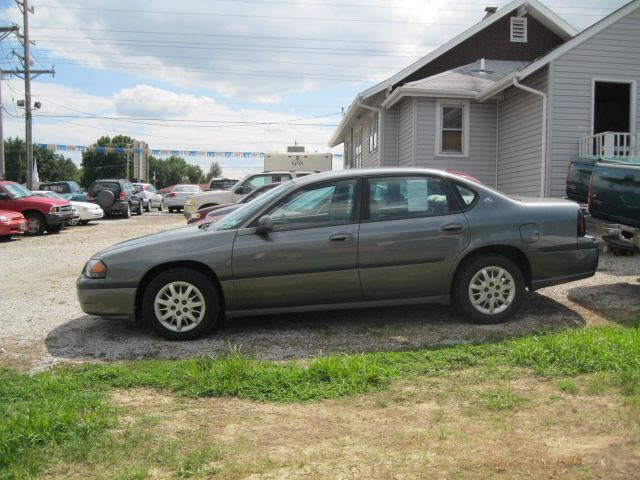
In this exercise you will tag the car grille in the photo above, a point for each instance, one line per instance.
(65, 208)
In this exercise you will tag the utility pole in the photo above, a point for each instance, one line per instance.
(4, 32)
(27, 73)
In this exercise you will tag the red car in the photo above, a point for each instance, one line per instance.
(11, 223)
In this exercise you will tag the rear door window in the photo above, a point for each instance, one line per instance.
(392, 198)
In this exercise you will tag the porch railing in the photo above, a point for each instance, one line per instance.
(609, 144)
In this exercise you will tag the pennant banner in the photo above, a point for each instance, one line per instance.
(159, 153)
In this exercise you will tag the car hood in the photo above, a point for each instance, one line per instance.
(42, 201)
(90, 206)
(176, 237)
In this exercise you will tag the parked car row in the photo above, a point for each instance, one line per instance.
(57, 204)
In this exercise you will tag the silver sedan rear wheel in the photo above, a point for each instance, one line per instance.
(492, 290)
(489, 288)
(181, 304)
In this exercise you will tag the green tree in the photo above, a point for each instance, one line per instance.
(51, 166)
(106, 165)
(174, 170)
(215, 170)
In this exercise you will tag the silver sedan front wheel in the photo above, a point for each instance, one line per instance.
(181, 304)
(489, 288)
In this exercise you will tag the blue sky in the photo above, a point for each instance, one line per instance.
(185, 75)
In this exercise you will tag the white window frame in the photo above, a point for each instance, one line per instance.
(525, 30)
(373, 132)
(466, 114)
(357, 148)
(632, 100)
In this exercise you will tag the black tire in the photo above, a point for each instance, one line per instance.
(160, 207)
(55, 229)
(127, 212)
(493, 301)
(200, 320)
(36, 223)
(83, 222)
(148, 207)
(170, 209)
(139, 209)
(5, 238)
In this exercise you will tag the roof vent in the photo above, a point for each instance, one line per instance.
(519, 29)
(490, 11)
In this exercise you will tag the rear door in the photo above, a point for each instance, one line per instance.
(309, 258)
(412, 231)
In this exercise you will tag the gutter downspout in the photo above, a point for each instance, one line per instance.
(380, 122)
(543, 160)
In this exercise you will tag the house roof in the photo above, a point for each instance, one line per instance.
(463, 82)
(534, 8)
(557, 52)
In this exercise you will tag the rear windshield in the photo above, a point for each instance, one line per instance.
(98, 187)
(56, 187)
(186, 188)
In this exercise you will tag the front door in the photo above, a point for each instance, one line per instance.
(410, 235)
(309, 258)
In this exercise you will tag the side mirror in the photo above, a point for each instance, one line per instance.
(4, 196)
(242, 190)
(265, 224)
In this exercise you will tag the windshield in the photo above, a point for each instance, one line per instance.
(17, 190)
(237, 218)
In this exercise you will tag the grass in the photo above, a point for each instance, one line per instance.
(65, 410)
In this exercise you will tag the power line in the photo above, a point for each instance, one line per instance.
(224, 35)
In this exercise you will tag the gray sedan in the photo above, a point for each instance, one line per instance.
(346, 239)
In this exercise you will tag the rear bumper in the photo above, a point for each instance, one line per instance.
(568, 263)
(103, 301)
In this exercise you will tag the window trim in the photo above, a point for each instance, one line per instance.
(357, 148)
(466, 114)
(374, 121)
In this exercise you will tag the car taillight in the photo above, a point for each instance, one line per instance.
(582, 225)
(171, 194)
(121, 196)
(89, 196)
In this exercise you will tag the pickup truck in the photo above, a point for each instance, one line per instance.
(41, 213)
(211, 198)
(611, 188)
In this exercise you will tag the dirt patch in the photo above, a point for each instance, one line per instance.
(438, 428)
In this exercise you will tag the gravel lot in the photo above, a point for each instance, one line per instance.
(42, 323)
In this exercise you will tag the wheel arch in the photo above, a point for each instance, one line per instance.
(512, 253)
(158, 269)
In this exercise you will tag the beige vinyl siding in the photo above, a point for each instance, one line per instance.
(520, 138)
(481, 161)
(406, 132)
(613, 54)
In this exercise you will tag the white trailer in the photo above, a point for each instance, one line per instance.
(297, 161)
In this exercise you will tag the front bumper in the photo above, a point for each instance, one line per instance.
(13, 227)
(55, 219)
(98, 298)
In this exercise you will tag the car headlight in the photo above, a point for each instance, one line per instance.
(3, 218)
(54, 209)
(95, 269)
(196, 215)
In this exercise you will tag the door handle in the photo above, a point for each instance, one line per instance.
(341, 237)
(452, 227)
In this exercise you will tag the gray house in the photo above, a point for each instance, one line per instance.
(510, 101)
